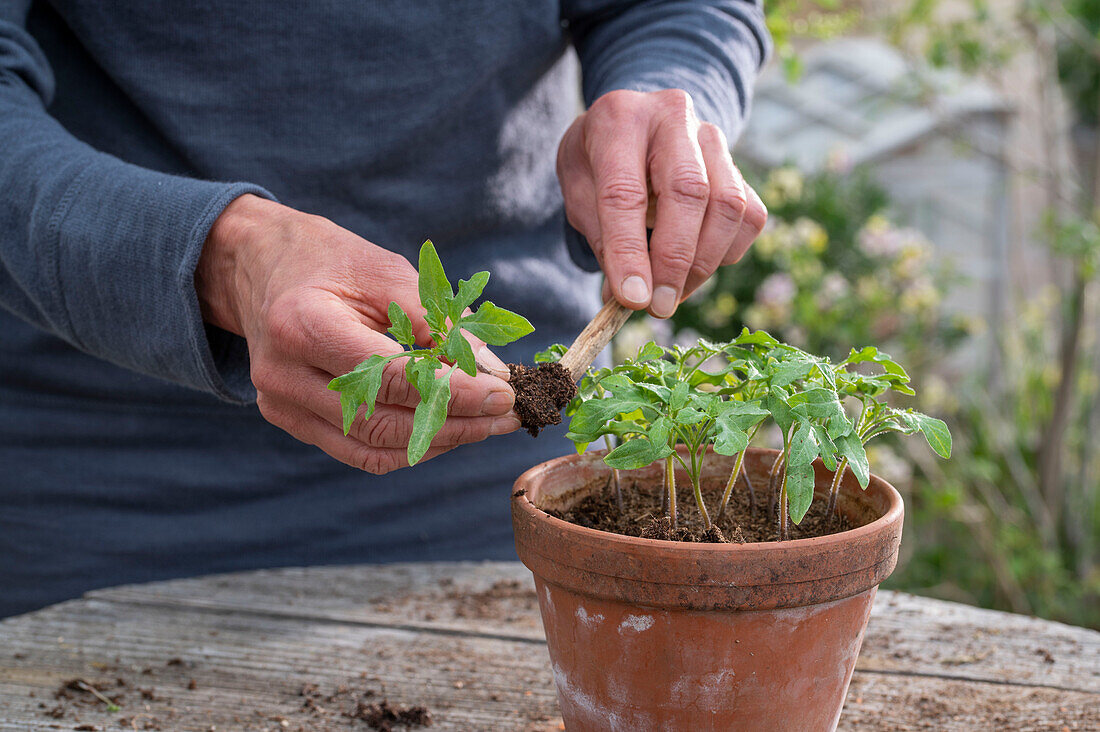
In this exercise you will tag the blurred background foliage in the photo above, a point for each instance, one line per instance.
(1012, 520)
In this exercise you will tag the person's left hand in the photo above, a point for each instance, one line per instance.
(638, 158)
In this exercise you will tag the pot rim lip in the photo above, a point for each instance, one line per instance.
(892, 516)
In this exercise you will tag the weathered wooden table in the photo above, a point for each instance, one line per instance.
(298, 649)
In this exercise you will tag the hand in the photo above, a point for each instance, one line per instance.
(311, 300)
(636, 159)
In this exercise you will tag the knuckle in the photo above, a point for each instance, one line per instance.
(265, 381)
(700, 272)
(730, 203)
(755, 217)
(690, 185)
(675, 259)
(711, 131)
(373, 461)
(381, 429)
(677, 100)
(626, 194)
(395, 388)
(285, 323)
(618, 103)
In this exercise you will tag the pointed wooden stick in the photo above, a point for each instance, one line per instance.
(594, 338)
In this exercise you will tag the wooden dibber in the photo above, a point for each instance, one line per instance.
(594, 338)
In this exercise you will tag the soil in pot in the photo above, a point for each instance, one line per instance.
(643, 516)
(541, 393)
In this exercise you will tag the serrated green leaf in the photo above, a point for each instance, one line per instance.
(787, 372)
(358, 387)
(935, 433)
(690, 415)
(800, 490)
(458, 350)
(730, 436)
(400, 325)
(776, 404)
(850, 447)
(649, 351)
(755, 338)
(435, 290)
(495, 325)
(592, 415)
(468, 291)
(552, 354)
(659, 432)
(679, 396)
(819, 403)
(662, 393)
(826, 448)
(803, 447)
(632, 454)
(431, 412)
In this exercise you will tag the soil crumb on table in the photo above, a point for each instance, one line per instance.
(644, 517)
(383, 716)
(541, 393)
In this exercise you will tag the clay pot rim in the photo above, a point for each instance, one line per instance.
(620, 541)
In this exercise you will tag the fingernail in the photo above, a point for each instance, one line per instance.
(497, 403)
(503, 425)
(664, 301)
(489, 360)
(635, 290)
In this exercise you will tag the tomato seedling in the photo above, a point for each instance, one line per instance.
(447, 315)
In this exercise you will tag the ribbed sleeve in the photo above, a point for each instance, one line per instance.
(100, 252)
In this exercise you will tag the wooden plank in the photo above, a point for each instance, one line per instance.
(464, 640)
(907, 634)
(249, 671)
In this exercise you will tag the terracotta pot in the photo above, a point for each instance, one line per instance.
(660, 635)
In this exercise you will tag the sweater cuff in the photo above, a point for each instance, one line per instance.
(127, 242)
(220, 357)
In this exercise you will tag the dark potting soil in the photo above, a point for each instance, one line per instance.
(541, 393)
(643, 516)
(383, 716)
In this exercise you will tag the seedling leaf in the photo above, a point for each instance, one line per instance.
(359, 387)
(495, 325)
(400, 326)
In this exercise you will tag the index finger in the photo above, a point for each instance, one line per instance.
(617, 149)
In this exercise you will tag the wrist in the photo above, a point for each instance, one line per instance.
(220, 275)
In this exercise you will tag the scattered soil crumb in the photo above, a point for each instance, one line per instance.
(505, 599)
(1046, 655)
(383, 716)
(643, 516)
(520, 492)
(541, 393)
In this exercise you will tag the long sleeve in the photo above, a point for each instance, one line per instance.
(99, 252)
(712, 49)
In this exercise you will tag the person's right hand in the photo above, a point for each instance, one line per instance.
(311, 299)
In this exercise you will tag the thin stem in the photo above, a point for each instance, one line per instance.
(784, 526)
(834, 488)
(699, 499)
(738, 467)
(614, 478)
(752, 491)
(773, 477)
(670, 488)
